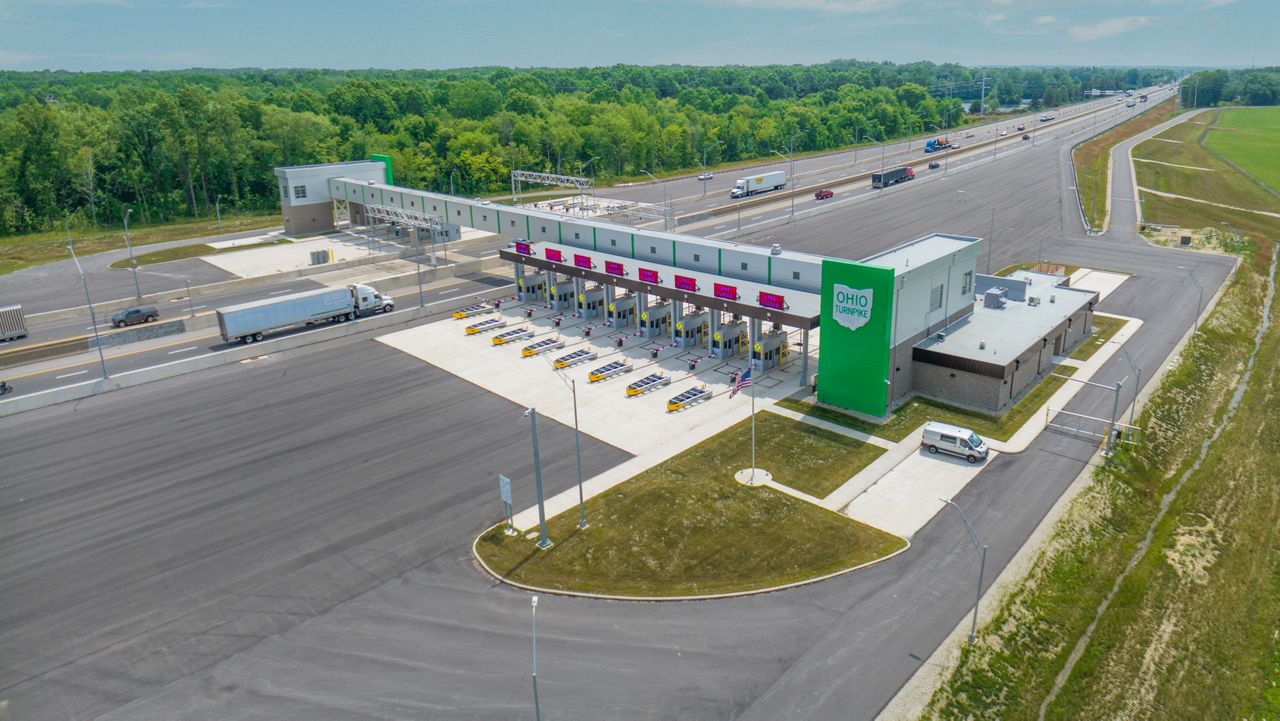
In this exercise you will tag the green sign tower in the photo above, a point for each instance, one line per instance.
(856, 323)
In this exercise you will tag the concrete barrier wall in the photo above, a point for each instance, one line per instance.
(43, 351)
(142, 331)
(226, 357)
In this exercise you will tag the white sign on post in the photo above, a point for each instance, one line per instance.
(504, 488)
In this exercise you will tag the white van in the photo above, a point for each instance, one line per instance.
(940, 437)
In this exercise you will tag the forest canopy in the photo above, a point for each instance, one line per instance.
(172, 144)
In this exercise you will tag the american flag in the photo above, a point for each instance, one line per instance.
(744, 381)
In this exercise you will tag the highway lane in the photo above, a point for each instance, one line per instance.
(121, 359)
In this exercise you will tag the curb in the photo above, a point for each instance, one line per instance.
(657, 599)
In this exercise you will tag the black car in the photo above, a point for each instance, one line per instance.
(138, 314)
(1026, 137)
(934, 164)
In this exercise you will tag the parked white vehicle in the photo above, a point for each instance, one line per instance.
(944, 438)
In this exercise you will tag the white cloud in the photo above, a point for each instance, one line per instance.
(1108, 28)
(1219, 3)
(993, 18)
(1044, 20)
(834, 7)
(16, 58)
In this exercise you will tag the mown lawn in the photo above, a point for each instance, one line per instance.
(1103, 330)
(916, 411)
(1248, 137)
(686, 527)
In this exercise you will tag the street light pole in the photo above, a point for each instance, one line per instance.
(791, 174)
(706, 148)
(982, 564)
(667, 214)
(93, 320)
(217, 209)
(992, 232)
(537, 708)
(133, 262)
(1137, 386)
(577, 441)
(543, 541)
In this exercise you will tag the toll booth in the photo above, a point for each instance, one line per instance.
(656, 320)
(771, 350)
(591, 302)
(562, 294)
(532, 288)
(692, 330)
(730, 340)
(622, 311)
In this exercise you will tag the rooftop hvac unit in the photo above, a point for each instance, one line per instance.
(1033, 300)
(940, 336)
(994, 298)
(1053, 298)
(775, 249)
(982, 345)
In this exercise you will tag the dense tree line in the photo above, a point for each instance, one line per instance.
(172, 144)
(1255, 86)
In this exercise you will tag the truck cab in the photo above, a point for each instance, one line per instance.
(368, 301)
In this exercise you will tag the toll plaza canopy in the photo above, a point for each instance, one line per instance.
(788, 306)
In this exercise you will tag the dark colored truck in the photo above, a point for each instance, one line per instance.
(892, 177)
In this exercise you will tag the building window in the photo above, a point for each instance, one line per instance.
(544, 229)
(299, 191)
(744, 266)
(284, 191)
(483, 217)
(458, 213)
(513, 224)
(697, 258)
(935, 298)
(795, 275)
(576, 236)
(966, 284)
(613, 242)
(434, 209)
(653, 250)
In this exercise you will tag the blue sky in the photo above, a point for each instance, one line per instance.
(160, 34)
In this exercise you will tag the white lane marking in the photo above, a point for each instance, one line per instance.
(182, 350)
(278, 292)
(718, 227)
(100, 325)
(198, 307)
(447, 292)
(68, 375)
(756, 217)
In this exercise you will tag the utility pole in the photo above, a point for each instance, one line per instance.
(983, 103)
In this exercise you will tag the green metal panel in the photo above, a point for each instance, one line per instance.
(595, 244)
(673, 256)
(856, 320)
(386, 161)
(633, 246)
(472, 210)
(528, 229)
(559, 232)
(769, 270)
(720, 261)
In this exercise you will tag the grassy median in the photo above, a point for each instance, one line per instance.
(197, 250)
(686, 527)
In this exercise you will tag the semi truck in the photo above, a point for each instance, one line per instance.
(13, 324)
(892, 177)
(751, 185)
(247, 322)
(936, 144)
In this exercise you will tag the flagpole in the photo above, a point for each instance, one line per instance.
(753, 425)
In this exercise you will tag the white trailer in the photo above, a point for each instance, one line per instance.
(753, 184)
(247, 322)
(12, 323)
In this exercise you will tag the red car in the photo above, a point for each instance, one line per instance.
(823, 194)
